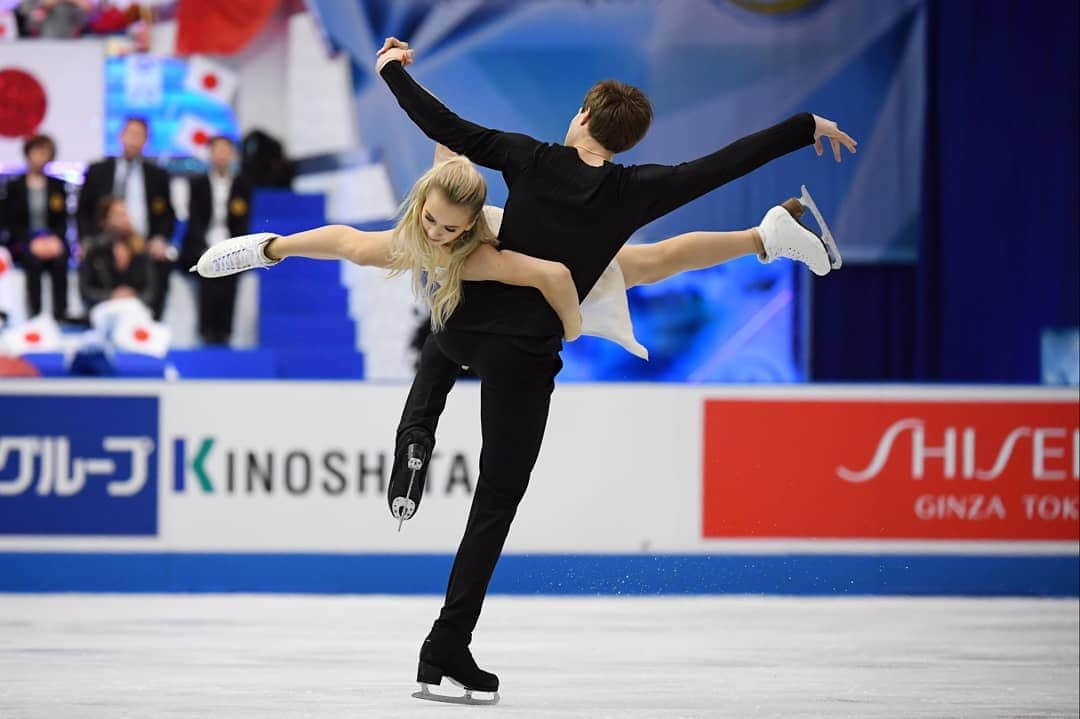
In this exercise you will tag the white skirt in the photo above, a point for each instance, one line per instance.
(605, 311)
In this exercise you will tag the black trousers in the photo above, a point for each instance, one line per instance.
(217, 303)
(161, 270)
(517, 376)
(57, 269)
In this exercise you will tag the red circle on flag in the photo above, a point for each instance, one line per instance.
(199, 137)
(3, 29)
(32, 338)
(22, 103)
(3, 266)
(209, 81)
(141, 335)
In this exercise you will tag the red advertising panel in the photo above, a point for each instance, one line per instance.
(891, 470)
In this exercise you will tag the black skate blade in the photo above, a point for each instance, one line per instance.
(467, 698)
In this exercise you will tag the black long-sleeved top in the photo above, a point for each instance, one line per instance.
(99, 182)
(201, 211)
(559, 208)
(18, 213)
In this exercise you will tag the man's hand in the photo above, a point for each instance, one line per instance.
(837, 137)
(393, 49)
(392, 42)
(122, 292)
(46, 248)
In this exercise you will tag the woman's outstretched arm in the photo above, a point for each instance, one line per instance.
(513, 268)
(334, 242)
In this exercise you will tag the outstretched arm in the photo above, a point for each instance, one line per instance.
(334, 242)
(659, 189)
(372, 249)
(503, 151)
(513, 268)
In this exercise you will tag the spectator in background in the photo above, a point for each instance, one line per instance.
(115, 264)
(144, 188)
(55, 18)
(220, 208)
(36, 218)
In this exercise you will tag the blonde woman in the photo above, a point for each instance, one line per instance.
(442, 238)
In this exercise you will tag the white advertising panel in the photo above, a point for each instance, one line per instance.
(302, 467)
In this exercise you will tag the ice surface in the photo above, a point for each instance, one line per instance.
(304, 656)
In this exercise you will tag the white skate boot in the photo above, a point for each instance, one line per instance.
(235, 254)
(784, 235)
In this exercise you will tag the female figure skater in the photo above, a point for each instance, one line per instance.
(442, 237)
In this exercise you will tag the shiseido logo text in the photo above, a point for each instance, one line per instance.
(955, 448)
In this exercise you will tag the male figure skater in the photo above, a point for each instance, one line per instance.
(567, 203)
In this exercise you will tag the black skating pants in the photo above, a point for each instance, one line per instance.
(517, 376)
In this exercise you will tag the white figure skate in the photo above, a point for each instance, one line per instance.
(235, 254)
(784, 235)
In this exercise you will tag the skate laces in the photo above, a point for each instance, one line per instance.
(239, 259)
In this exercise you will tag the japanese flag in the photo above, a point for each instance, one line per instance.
(41, 334)
(211, 79)
(193, 136)
(51, 86)
(141, 336)
(8, 29)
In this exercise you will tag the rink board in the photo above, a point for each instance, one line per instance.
(279, 487)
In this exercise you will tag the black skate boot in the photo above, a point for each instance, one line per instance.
(407, 477)
(443, 654)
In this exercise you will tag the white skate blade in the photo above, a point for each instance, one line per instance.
(826, 236)
(466, 698)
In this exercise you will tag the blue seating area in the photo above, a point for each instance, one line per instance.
(303, 307)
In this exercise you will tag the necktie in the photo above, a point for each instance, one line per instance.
(121, 187)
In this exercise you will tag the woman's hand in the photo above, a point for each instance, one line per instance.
(837, 137)
(572, 330)
(443, 153)
(560, 292)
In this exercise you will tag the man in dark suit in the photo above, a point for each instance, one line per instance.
(220, 208)
(36, 218)
(144, 187)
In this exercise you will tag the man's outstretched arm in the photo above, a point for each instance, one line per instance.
(498, 150)
(663, 188)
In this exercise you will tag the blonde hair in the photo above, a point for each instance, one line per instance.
(437, 280)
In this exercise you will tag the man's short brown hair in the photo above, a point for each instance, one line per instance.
(619, 114)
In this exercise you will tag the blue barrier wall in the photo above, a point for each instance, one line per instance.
(793, 574)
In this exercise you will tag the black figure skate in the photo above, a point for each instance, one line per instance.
(442, 655)
(407, 480)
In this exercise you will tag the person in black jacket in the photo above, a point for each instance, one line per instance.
(115, 264)
(144, 187)
(37, 219)
(220, 208)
